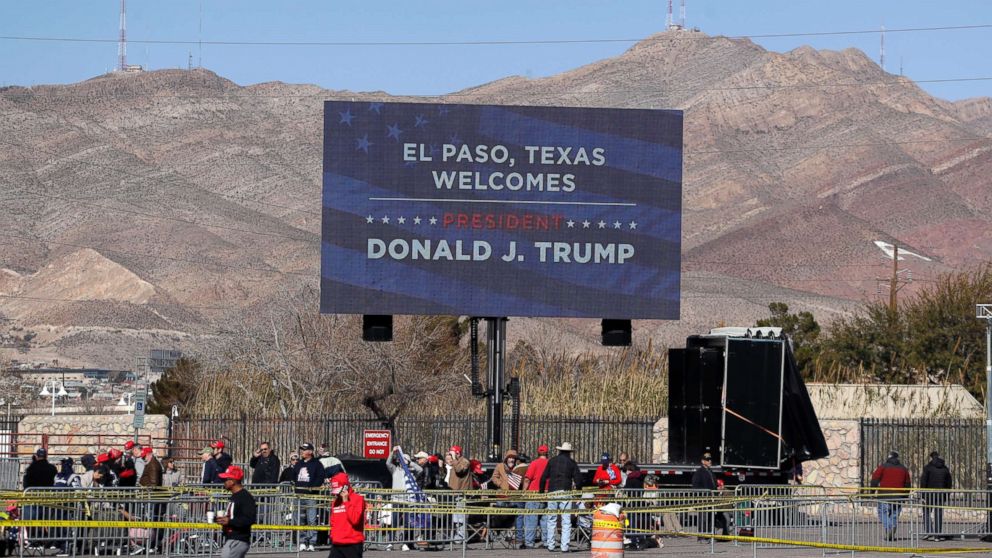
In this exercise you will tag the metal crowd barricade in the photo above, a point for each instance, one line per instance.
(395, 519)
(781, 512)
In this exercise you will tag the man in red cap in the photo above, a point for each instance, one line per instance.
(347, 519)
(532, 483)
(151, 474)
(240, 515)
(222, 459)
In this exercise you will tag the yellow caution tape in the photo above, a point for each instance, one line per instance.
(833, 546)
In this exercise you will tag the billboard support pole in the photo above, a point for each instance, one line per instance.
(496, 346)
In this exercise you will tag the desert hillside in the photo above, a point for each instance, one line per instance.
(175, 203)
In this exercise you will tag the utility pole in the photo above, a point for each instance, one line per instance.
(881, 50)
(895, 280)
(895, 283)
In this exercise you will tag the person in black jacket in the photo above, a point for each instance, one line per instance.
(210, 471)
(937, 478)
(703, 479)
(265, 465)
(289, 473)
(40, 472)
(560, 475)
(240, 515)
(222, 460)
(309, 479)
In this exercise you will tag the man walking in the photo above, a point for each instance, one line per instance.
(532, 484)
(936, 479)
(893, 478)
(241, 514)
(265, 465)
(309, 478)
(561, 475)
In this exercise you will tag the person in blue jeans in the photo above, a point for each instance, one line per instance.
(308, 477)
(531, 485)
(893, 481)
(560, 476)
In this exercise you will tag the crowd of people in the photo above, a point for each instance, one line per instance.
(313, 472)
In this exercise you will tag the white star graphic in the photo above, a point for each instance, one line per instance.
(401, 220)
(369, 219)
(633, 225)
(570, 223)
(602, 224)
(433, 220)
(616, 224)
(585, 224)
(385, 219)
(416, 220)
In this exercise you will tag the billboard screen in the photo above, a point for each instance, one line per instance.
(492, 211)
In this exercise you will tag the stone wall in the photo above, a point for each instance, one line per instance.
(74, 435)
(842, 468)
(839, 470)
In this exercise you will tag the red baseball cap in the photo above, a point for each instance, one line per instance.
(456, 449)
(433, 459)
(338, 482)
(543, 448)
(145, 451)
(115, 453)
(476, 466)
(233, 472)
(102, 458)
(219, 444)
(129, 444)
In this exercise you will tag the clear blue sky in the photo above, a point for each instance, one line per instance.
(446, 68)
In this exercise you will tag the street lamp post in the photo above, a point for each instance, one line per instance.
(984, 312)
(60, 392)
(125, 401)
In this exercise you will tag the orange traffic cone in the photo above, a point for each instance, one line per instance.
(607, 534)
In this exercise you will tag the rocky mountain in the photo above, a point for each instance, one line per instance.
(174, 202)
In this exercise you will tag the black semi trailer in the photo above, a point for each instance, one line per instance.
(737, 393)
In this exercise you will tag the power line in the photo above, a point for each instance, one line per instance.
(491, 42)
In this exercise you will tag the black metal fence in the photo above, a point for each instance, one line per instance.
(961, 443)
(343, 434)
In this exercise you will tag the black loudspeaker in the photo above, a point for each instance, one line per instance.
(616, 333)
(377, 328)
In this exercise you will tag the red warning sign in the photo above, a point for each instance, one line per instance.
(377, 444)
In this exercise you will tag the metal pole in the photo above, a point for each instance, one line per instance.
(496, 340)
(988, 423)
(984, 312)
(988, 390)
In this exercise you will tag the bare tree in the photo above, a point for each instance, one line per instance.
(291, 361)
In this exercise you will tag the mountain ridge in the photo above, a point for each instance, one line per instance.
(209, 191)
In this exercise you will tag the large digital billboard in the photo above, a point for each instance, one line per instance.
(496, 211)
